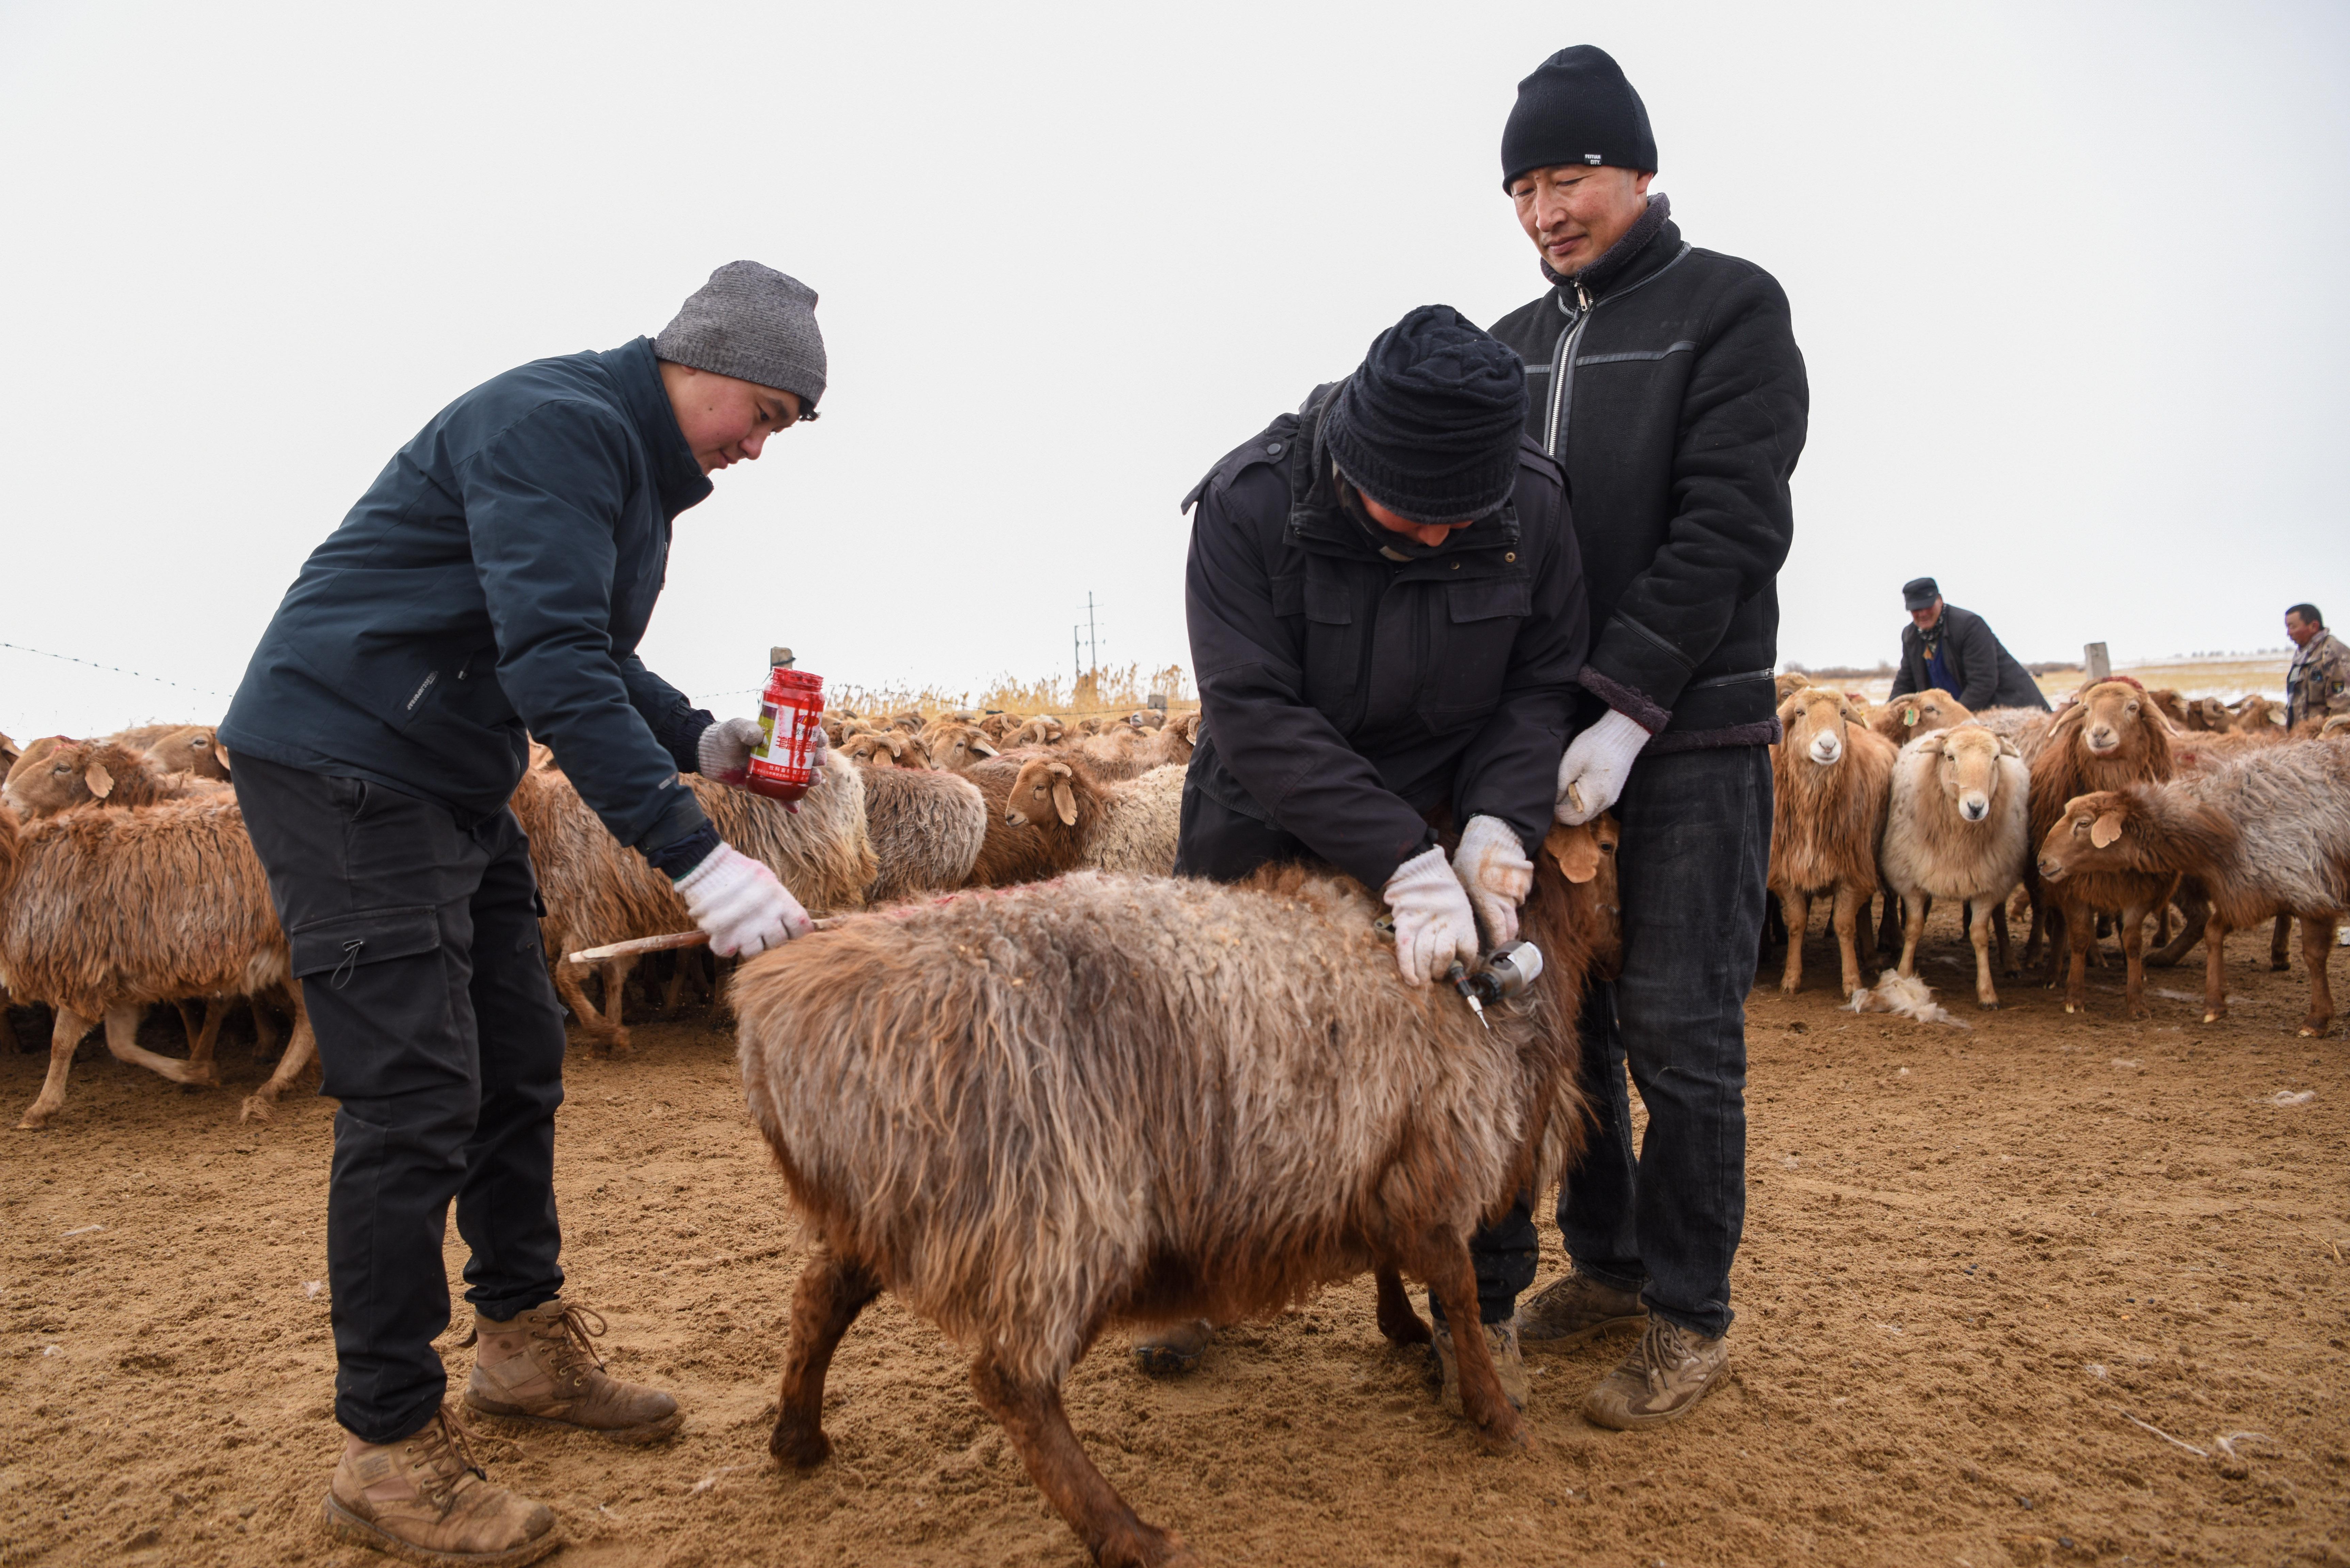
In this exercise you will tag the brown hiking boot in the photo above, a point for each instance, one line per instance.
(1569, 1311)
(1661, 1381)
(1501, 1338)
(541, 1367)
(423, 1499)
(1175, 1349)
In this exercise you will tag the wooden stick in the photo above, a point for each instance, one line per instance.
(640, 945)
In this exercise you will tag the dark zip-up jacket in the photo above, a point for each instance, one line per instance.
(1666, 382)
(1349, 689)
(1983, 674)
(496, 578)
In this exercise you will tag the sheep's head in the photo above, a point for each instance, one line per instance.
(1147, 718)
(58, 773)
(2255, 714)
(999, 724)
(2084, 836)
(194, 750)
(1586, 858)
(883, 749)
(1041, 793)
(1041, 730)
(956, 746)
(2111, 714)
(910, 719)
(2337, 726)
(1788, 685)
(1932, 709)
(1967, 767)
(1815, 718)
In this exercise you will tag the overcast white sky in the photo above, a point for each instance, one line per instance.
(2066, 278)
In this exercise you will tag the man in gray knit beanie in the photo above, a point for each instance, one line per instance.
(490, 589)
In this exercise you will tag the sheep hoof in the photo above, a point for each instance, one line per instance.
(1503, 1436)
(255, 1110)
(2211, 1018)
(31, 1123)
(1785, 989)
(801, 1446)
(2068, 1007)
(2308, 1033)
(1989, 1005)
(2279, 967)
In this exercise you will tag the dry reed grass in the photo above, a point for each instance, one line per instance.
(1114, 688)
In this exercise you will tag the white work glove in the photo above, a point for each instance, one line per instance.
(1495, 871)
(725, 747)
(723, 752)
(1596, 766)
(1433, 925)
(739, 902)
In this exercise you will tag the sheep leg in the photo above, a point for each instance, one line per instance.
(832, 1292)
(200, 1049)
(1398, 1319)
(2194, 914)
(574, 997)
(2280, 940)
(298, 1052)
(2049, 914)
(1847, 921)
(676, 987)
(1444, 1263)
(2162, 928)
(1032, 1416)
(1896, 919)
(64, 1035)
(264, 1031)
(615, 988)
(1998, 930)
(188, 1023)
(1913, 926)
(1796, 906)
(1978, 932)
(2078, 934)
(2316, 947)
(2132, 931)
(122, 1039)
(2215, 975)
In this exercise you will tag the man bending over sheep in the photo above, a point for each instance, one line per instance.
(495, 579)
(1386, 614)
(1666, 380)
(1955, 649)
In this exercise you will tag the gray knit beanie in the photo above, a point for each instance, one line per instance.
(754, 324)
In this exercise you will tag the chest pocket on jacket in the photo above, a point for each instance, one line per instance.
(1332, 652)
(1473, 655)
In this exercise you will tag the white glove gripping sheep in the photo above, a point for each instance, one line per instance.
(740, 903)
(725, 747)
(1433, 925)
(1591, 775)
(1495, 871)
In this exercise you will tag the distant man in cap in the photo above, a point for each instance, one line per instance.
(495, 580)
(1666, 380)
(1946, 647)
(2317, 683)
(1386, 605)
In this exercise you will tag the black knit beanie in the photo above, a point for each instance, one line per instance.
(1428, 426)
(1576, 108)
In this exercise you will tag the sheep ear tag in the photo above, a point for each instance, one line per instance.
(100, 781)
(1908, 718)
(2105, 829)
(1064, 801)
(1576, 850)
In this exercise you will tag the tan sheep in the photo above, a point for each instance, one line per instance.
(56, 774)
(194, 750)
(1831, 777)
(103, 912)
(1127, 824)
(1903, 719)
(957, 744)
(886, 749)
(927, 825)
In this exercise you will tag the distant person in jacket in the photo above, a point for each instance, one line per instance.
(495, 580)
(1386, 606)
(1953, 649)
(1666, 380)
(2317, 683)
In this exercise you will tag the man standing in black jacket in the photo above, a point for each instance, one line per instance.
(1953, 649)
(494, 578)
(1386, 614)
(1666, 380)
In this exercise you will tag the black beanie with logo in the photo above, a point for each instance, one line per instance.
(1577, 108)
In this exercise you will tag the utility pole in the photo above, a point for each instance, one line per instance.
(1077, 655)
(1093, 641)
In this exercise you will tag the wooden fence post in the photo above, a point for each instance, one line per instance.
(2093, 661)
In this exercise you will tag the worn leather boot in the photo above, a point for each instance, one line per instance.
(1501, 1338)
(424, 1500)
(1661, 1381)
(540, 1367)
(1570, 1311)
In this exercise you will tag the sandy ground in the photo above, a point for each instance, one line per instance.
(1975, 1259)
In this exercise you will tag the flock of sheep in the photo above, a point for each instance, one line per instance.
(2120, 807)
(1098, 1094)
(126, 878)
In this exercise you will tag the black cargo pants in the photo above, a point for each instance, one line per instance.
(1223, 846)
(415, 938)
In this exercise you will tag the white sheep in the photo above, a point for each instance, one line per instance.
(1959, 826)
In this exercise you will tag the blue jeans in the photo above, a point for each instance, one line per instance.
(1664, 1220)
